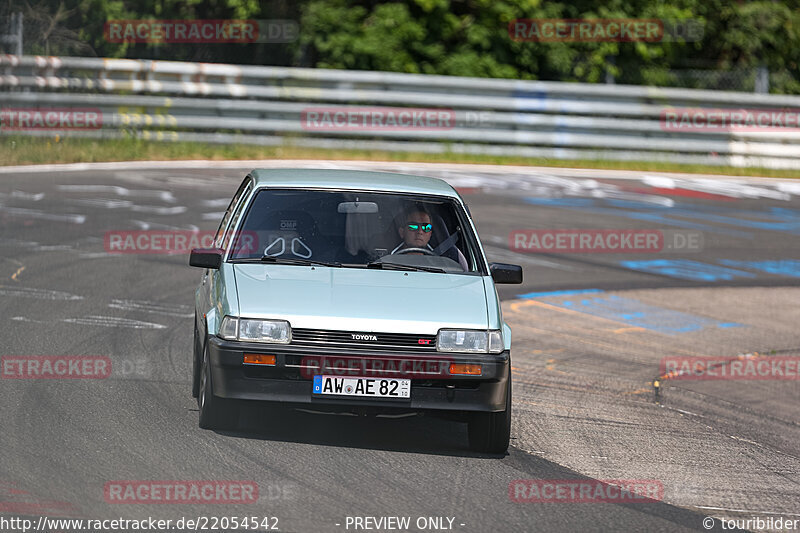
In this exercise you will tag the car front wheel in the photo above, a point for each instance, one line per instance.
(215, 412)
(491, 432)
(195, 362)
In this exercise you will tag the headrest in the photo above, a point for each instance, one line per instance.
(286, 233)
(289, 221)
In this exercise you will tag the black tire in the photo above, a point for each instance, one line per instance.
(491, 432)
(215, 412)
(195, 362)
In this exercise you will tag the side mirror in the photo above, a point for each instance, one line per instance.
(504, 273)
(206, 258)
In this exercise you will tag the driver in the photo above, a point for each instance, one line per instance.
(416, 232)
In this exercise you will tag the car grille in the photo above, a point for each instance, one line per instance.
(345, 339)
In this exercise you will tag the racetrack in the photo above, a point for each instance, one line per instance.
(583, 362)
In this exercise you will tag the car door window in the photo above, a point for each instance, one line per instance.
(237, 214)
(218, 239)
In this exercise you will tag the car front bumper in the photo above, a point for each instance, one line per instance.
(290, 380)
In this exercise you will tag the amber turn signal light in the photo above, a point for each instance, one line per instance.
(465, 369)
(259, 359)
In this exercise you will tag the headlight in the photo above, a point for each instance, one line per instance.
(469, 341)
(255, 330)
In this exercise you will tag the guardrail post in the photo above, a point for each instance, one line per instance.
(14, 37)
(762, 80)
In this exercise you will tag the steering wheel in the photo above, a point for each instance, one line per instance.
(403, 251)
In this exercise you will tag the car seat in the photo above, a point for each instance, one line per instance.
(290, 234)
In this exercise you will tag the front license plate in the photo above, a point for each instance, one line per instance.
(367, 387)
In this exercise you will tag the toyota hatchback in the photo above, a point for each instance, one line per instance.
(348, 291)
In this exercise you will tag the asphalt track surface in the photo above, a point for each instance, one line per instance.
(583, 363)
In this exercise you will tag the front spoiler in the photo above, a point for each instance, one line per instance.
(290, 383)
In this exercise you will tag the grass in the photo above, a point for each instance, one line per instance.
(21, 150)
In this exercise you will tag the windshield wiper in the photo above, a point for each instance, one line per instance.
(397, 266)
(287, 261)
(312, 262)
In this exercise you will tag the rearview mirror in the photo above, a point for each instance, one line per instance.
(504, 273)
(361, 208)
(206, 257)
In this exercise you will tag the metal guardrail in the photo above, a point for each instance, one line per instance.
(203, 102)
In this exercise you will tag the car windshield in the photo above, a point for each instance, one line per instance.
(357, 229)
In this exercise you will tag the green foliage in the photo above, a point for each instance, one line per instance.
(453, 37)
(470, 38)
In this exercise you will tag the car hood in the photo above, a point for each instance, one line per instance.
(355, 299)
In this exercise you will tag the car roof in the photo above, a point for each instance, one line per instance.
(351, 179)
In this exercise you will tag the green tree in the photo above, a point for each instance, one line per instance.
(450, 37)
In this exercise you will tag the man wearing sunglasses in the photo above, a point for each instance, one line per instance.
(416, 232)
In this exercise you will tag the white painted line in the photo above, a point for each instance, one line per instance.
(113, 322)
(145, 225)
(164, 196)
(104, 321)
(26, 319)
(179, 310)
(219, 202)
(734, 437)
(156, 210)
(54, 248)
(97, 255)
(106, 203)
(39, 294)
(27, 196)
(4, 241)
(33, 213)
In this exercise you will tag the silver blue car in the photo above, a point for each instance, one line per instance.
(366, 292)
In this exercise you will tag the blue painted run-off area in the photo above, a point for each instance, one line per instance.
(699, 271)
(780, 267)
(708, 218)
(687, 269)
(628, 311)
